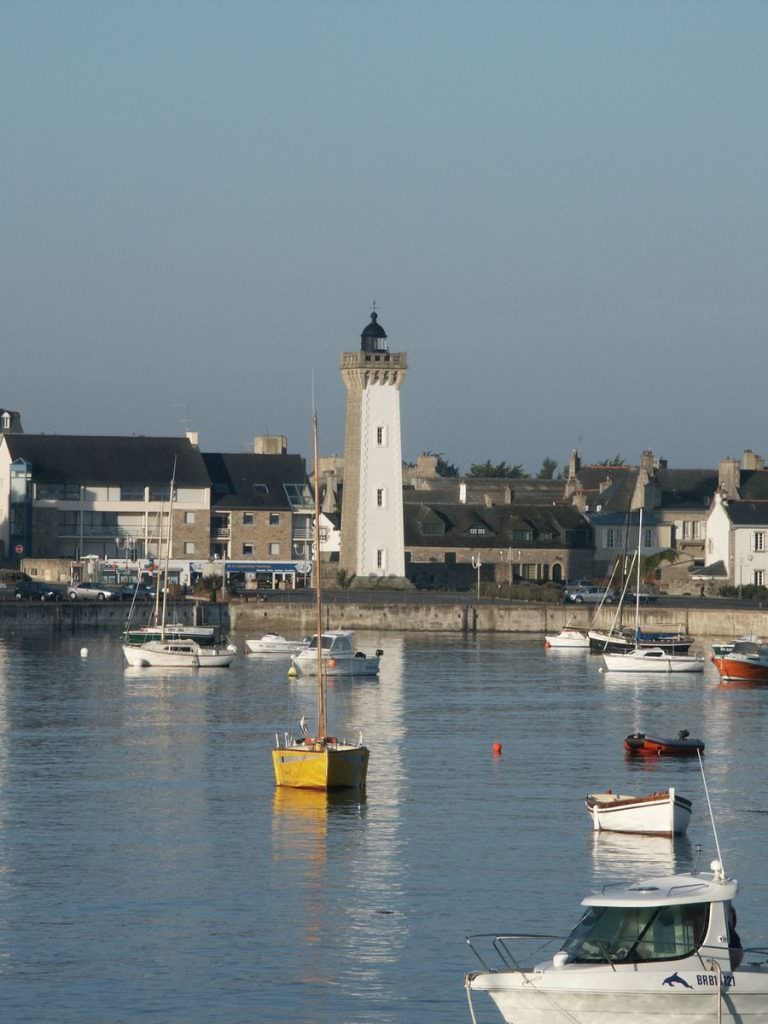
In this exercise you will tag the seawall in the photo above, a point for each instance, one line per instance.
(401, 615)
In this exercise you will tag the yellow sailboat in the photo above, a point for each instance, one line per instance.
(320, 761)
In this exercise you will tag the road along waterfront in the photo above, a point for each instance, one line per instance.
(149, 870)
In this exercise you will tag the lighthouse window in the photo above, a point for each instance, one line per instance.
(381, 497)
(381, 437)
(380, 558)
(638, 934)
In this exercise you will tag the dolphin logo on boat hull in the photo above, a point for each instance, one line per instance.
(675, 979)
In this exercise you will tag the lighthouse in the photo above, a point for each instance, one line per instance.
(372, 499)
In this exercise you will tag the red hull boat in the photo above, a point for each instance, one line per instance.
(746, 663)
(683, 745)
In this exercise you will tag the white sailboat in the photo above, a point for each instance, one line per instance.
(174, 648)
(319, 761)
(649, 659)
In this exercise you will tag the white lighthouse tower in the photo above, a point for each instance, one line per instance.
(372, 499)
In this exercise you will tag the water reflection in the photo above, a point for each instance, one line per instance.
(616, 855)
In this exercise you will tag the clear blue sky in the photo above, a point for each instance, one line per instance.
(559, 208)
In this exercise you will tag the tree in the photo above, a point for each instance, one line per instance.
(547, 471)
(498, 470)
(617, 460)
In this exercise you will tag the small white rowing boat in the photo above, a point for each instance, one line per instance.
(658, 814)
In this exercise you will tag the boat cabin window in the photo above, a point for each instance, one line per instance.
(638, 934)
(337, 644)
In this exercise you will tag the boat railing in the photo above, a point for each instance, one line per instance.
(499, 944)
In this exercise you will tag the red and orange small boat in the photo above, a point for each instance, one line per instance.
(747, 662)
(683, 745)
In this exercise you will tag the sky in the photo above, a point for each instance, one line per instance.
(559, 208)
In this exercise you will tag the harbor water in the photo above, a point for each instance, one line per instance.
(150, 871)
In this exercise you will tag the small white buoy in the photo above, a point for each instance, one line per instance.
(83, 652)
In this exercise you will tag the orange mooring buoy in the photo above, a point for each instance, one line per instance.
(496, 749)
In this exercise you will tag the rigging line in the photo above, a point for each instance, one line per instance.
(711, 813)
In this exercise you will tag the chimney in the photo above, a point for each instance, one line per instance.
(729, 478)
(194, 438)
(267, 444)
(751, 461)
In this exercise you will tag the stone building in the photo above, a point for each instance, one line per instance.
(71, 496)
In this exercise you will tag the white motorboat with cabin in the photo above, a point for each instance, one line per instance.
(274, 643)
(568, 637)
(338, 655)
(664, 813)
(662, 949)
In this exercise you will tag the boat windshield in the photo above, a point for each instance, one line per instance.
(638, 934)
(326, 643)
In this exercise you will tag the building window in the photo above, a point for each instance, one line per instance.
(381, 558)
(759, 577)
(274, 518)
(189, 547)
(131, 493)
(647, 538)
(189, 518)
(247, 549)
(528, 570)
(759, 540)
(247, 518)
(380, 497)
(478, 531)
(609, 542)
(58, 492)
(274, 549)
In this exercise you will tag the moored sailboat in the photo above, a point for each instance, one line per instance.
(164, 646)
(319, 761)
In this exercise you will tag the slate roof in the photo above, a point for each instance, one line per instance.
(685, 488)
(753, 484)
(523, 490)
(113, 460)
(247, 481)
(748, 513)
(617, 496)
(547, 526)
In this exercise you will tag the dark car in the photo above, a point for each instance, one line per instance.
(33, 590)
(130, 592)
(643, 597)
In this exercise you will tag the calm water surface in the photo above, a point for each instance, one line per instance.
(149, 870)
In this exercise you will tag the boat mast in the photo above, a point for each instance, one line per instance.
(168, 551)
(637, 594)
(321, 729)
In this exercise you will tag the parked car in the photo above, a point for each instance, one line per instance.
(127, 591)
(591, 595)
(90, 592)
(644, 597)
(34, 590)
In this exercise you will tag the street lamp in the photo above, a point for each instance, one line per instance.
(477, 564)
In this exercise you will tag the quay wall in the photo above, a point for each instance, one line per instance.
(298, 617)
(287, 617)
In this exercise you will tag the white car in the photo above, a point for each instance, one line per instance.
(90, 592)
(591, 595)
